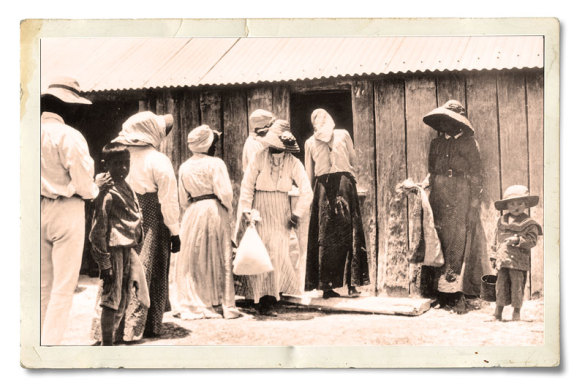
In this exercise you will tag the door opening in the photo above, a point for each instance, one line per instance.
(337, 103)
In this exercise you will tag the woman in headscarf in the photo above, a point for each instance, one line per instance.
(152, 178)
(336, 242)
(265, 187)
(455, 180)
(204, 279)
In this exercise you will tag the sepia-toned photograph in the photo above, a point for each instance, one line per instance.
(330, 191)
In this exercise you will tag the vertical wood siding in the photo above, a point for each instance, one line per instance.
(392, 143)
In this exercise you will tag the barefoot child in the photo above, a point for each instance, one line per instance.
(116, 230)
(515, 235)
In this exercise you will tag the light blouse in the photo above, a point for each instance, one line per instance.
(338, 155)
(151, 171)
(204, 175)
(275, 172)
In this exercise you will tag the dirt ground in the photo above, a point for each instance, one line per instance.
(304, 326)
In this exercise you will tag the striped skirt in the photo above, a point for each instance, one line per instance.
(274, 209)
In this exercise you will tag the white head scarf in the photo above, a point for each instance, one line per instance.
(144, 128)
(260, 118)
(200, 139)
(323, 125)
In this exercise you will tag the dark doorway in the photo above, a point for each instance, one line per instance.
(337, 103)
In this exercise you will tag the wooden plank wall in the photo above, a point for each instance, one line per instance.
(506, 109)
(364, 139)
(392, 143)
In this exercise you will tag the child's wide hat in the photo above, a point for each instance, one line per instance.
(451, 115)
(516, 192)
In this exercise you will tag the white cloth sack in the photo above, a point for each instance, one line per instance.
(252, 257)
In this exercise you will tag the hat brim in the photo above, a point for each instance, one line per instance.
(530, 201)
(441, 118)
(66, 96)
(275, 142)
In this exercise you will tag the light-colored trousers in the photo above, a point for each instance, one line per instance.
(62, 238)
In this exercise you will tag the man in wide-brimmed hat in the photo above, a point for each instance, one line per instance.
(66, 180)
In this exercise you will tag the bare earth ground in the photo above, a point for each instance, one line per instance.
(305, 326)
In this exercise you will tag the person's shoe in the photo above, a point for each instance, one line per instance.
(327, 294)
(353, 292)
(516, 315)
(460, 306)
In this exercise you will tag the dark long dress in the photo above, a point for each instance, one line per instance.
(336, 254)
(455, 180)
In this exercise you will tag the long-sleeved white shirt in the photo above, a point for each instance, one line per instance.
(202, 175)
(272, 173)
(151, 171)
(338, 155)
(251, 146)
(66, 166)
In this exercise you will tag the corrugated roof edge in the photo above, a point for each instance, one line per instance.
(314, 79)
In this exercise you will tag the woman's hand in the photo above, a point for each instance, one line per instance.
(174, 244)
(293, 222)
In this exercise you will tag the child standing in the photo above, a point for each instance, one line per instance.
(116, 230)
(515, 235)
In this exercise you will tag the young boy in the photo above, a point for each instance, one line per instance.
(116, 229)
(515, 235)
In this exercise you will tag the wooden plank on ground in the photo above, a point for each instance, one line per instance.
(451, 87)
(235, 133)
(513, 134)
(534, 84)
(481, 92)
(211, 115)
(390, 139)
(364, 139)
(420, 98)
(379, 305)
(281, 102)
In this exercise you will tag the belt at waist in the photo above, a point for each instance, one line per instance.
(451, 173)
(76, 196)
(210, 196)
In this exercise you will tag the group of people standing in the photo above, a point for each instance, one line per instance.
(137, 222)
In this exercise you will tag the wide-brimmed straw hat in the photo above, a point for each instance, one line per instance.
(516, 192)
(67, 90)
(201, 138)
(280, 137)
(451, 115)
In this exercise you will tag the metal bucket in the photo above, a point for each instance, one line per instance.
(488, 282)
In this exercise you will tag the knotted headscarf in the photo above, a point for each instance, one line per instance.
(200, 139)
(323, 125)
(260, 120)
(145, 128)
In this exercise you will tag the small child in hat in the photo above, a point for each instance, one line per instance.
(115, 231)
(515, 235)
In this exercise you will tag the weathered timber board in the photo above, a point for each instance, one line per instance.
(364, 139)
(390, 141)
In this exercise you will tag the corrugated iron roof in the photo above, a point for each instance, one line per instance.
(138, 63)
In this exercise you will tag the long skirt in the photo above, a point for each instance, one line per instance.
(203, 275)
(461, 236)
(337, 254)
(154, 254)
(274, 209)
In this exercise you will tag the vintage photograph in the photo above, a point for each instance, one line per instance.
(293, 191)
